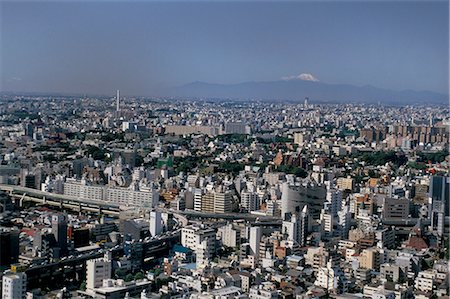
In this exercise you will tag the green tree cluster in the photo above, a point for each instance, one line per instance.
(383, 157)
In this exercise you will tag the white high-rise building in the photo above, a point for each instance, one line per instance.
(290, 228)
(297, 227)
(14, 286)
(201, 240)
(254, 240)
(203, 253)
(344, 218)
(193, 235)
(198, 200)
(327, 221)
(333, 201)
(97, 270)
(155, 223)
(229, 235)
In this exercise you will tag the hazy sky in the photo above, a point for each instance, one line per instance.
(140, 47)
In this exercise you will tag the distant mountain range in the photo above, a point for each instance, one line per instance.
(297, 90)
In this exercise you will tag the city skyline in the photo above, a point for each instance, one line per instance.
(224, 149)
(144, 48)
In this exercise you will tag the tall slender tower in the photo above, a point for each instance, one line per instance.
(59, 229)
(118, 101)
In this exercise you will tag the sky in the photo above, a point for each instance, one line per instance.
(142, 47)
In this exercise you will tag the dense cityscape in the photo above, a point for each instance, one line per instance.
(133, 197)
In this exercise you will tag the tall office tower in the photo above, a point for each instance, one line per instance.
(305, 105)
(155, 223)
(118, 101)
(440, 192)
(59, 229)
(439, 199)
(97, 270)
(14, 285)
(9, 246)
(254, 240)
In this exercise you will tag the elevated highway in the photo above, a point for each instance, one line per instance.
(22, 194)
(73, 269)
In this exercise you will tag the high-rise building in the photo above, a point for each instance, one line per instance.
(301, 138)
(118, 101)
(201, 240)
(236, 128)
(229, 235)
(395, 208)
(254, 241)
(249, 201)
(14, 285)
(155, 223)
(97, 270)
(333, 201)
(222, 202)
(59, 229)
(80, 237)
(327, 222)
(29, 130)
(44, 242)
(440, 192)
(198, 200)
(297, 227)
(208, 202)
(344, 219)
(203, 252)
(9, 246)
(192, 235)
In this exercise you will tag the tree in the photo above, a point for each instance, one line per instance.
(83, 286)
(96, 153)
(139, 276)
(129, 277)
(120, 273)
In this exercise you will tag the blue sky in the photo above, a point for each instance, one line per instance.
(141, 47)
